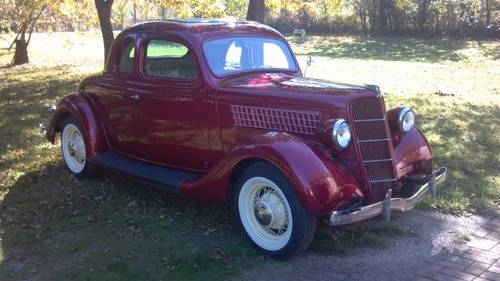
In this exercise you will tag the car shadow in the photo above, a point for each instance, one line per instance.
(53, 224)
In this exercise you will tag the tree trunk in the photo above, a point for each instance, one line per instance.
(134, 14)
(488, 12)
(104, 13)
(423, 7)
(21, 54)
(256, 10)
(381, 23)
(362, 20)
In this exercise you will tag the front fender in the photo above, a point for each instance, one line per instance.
(412, 153)
(77, 106)
(319, 183)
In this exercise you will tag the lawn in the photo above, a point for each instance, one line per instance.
(454, 86)
(56, 227)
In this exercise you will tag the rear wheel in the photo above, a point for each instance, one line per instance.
(271, 215)
(73, 148)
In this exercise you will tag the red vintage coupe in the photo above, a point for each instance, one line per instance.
(219, 110)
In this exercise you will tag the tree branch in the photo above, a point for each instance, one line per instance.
(14, 41)
(34, 21)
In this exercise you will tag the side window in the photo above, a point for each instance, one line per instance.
(127, 55)
(170, 60)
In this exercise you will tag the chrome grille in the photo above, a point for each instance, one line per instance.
(374, 144)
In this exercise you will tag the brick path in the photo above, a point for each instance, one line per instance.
(478, 259)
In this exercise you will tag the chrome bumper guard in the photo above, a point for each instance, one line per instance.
(390, 204)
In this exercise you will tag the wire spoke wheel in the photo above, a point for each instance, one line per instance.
(265, 213)
(270, 213)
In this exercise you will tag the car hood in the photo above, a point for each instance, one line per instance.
(283, 81)
(298, 89)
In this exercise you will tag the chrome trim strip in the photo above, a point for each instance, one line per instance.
(372, 140)
(369, 120)
(386, 180)
(378, 160)
(390, 204)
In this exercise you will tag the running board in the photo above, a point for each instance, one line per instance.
(171, 179)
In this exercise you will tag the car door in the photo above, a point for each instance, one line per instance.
(170, 111)
(112, 96)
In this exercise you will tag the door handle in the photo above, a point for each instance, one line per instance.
(135, 97)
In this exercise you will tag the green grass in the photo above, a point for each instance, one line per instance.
(56, 227)
(159, 49)
(392, 49)
(465, 137)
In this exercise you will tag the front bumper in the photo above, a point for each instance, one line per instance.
(390, 204)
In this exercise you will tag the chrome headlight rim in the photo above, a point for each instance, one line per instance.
(339, 126)
(402, 119)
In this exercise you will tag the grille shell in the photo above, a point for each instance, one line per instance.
(373, 145)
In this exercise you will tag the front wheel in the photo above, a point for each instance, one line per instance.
(271, 215)
(73, 148)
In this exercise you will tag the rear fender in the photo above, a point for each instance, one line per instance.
(76, 106)
(319, 183)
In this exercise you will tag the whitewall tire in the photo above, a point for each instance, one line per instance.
(73, 147)
(269, 212)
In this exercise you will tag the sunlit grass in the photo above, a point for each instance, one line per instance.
(462, 70)
(116, 228)
(465, 138)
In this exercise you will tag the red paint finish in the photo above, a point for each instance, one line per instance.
(77, 106)
(320, 184)
(217, 125)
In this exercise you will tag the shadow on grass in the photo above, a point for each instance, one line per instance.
(57, 227)
(393, 49)
(465, 138)
(25, 94)
(492, 52)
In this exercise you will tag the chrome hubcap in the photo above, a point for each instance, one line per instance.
(72, 148)
(75, 147)
(262, 214)
(269, 210)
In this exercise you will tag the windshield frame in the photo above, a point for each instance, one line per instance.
(291, 59)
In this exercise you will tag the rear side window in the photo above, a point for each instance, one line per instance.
(126, 59)
(170, 60)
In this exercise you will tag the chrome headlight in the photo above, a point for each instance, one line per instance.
(406, 119)
(341, 133)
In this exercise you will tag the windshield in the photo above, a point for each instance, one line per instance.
(239, 54)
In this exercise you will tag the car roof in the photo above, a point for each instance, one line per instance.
(198, 25)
